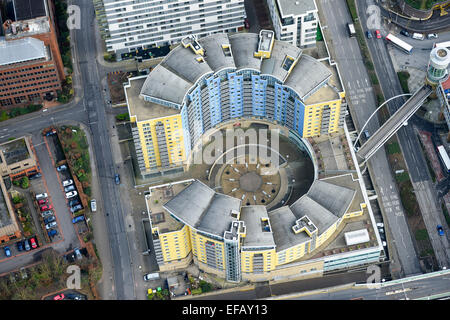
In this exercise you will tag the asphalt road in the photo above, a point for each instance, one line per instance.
(408, 140)
(362, 104)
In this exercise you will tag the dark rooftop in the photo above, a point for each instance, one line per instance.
(29, 9)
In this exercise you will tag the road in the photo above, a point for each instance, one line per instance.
(394, 290)
(362, 103)
(407, 138)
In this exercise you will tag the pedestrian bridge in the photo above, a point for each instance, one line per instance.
(394, 123)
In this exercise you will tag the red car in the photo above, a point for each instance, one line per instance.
(43, 201)
(33, 243)
(246, 24)
(59, 297)
(378, 34)
(47, 207)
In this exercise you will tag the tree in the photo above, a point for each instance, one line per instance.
(24, 182)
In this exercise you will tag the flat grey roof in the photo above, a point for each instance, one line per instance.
(334, 198)
(166, 85)
(190, 203)
(295, 7)
(282, 220)
(216, 219)
(21, 50)
(319, 215)
(244, 45)
(274, 65)
(216, 57)
(137, 106)
(182, 61)
(307, 76)
(256, 235)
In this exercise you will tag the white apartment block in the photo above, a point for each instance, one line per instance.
(132, 24)
(294, 21)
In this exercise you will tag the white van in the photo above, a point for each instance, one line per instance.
(418, 36)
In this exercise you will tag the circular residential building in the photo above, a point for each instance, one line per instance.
(238, 80)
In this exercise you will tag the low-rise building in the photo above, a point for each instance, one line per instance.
(9, 227)
(17, 159)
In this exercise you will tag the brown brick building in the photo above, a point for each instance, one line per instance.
(29, 73)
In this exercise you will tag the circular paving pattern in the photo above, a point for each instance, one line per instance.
(250, 181)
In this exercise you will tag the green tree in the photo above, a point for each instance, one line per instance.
(25, 182)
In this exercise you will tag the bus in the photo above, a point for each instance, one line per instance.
(351, 29)
(402, 45)
(445, 44)
(444, 157)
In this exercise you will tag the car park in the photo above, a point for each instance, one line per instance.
(47, 213)
(49, 219)
(69, 188)
(67, 182)
(378, 34)
(369, 35)
(52, 233)
(33, 243)
(71, 194)
(19, 245)
(41, 196)
(440, 230)
(59, 297)
(77, 219)
(35, 176)
(27, 245)
(50, 225)
(117, 178)
(42, 201)
(61, 168)
(76, 208)
(46, 207)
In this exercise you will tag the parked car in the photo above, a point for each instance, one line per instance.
(380, 225)
(27, 245)
(93, 205)
(41, 196)
(405, 33)
(67, 182)
(69, 188)
(432, 36)
(76, 208)
(52, 233)
(77, 219)
(35, 176)
(384, 244)
(59, 297)
(46, 207)
(19, 245)
(73, 296)
(49, 219)
(7, 251)
(117, 178)
(369, 34)
(71, 194)
(440, 230)
(50, 225)
(78, 253)
(378, 34)
(246, 24)
(61, 168)
(47, 213)
(74, 202)
(42, 201)
(33, 243)
(51, 132)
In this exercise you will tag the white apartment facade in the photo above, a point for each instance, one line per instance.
(295, 21)
(132, 24)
